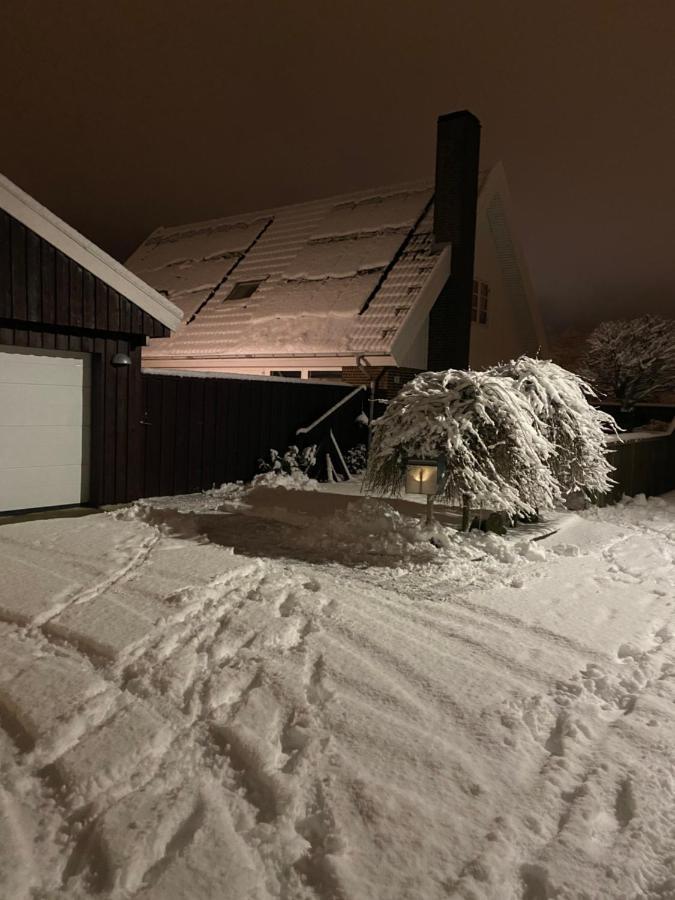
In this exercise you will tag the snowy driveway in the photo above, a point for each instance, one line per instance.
(179, 720)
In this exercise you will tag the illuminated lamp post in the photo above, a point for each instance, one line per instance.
(427, 477)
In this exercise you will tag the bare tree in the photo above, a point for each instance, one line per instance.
(632, 359)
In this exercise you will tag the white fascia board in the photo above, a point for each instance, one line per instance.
(74, 245)
(426, 298)
(261, 362)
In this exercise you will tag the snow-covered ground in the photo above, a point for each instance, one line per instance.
(270, 693)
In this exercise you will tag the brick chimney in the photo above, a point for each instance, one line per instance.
(455, 198)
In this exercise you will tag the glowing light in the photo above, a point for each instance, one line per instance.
(424, 476)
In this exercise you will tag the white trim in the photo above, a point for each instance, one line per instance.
(56, 232)
(410, 326)
(240, 376)
(241, 363)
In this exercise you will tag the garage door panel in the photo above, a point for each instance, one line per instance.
(43, 486)
(56, 404)
(45, 401)
(32, 445)
(41, 368)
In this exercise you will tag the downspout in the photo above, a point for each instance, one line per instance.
(361, 362)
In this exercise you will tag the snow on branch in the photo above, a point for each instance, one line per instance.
(575, 428)
(494, 445)
(632, 359)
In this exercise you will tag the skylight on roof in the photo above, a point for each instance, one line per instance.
(243, 289)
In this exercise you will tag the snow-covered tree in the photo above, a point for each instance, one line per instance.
(632, 359)
(577, 430)
(494, 447)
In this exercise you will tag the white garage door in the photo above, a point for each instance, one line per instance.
(45, 400)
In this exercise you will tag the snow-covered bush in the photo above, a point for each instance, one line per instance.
(292, 460)
(495, 449)
(631, 359)
(577, 430)
(356, 459)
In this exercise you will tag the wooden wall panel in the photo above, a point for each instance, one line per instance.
(33, 278)
(163, 417)
(5, 267)
(48, 264)
(207, 431)
(29, 292)
(135, 449)
(62, 312)
(76, 295)
(194, 425)
(18, 268)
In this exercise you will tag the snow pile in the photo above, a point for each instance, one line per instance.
(302, 520)
(376, 530)
(295, 480)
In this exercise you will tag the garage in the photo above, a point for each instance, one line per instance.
(72, 324)
(45, 431)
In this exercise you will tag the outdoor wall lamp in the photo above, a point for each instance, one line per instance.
(427, 477)
(120, 359)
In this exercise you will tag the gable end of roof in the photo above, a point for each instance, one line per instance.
(56, 232)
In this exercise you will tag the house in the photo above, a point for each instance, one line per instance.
(380, 281)
(72, 324)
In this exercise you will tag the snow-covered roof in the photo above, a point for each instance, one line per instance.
(343, 276)
(74, 245)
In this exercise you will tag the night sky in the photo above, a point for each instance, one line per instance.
(122, 116)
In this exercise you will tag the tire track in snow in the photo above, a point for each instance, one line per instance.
(87, 859)
(134, 562)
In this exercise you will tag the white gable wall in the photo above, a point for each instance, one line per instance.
(514, 324)
(417, 353)
(505, 335)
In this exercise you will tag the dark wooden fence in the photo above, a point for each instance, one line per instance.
(202, 431)
(642, 466)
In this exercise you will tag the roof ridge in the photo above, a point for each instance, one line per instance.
(413, 186)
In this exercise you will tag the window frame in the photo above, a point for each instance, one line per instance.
(243, 284)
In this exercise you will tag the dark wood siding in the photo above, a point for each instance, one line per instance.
(642, 467)
(49, 302)
(40, 285)
(203, 432)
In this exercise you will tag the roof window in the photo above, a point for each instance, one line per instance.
(243, 289)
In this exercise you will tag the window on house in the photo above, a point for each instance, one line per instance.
(286, 373)
(243, 289)
(479, 302)
(333, 375)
